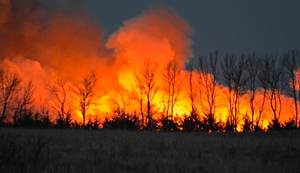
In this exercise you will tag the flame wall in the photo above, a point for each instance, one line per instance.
(42, 42)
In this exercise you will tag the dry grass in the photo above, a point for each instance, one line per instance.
(24, 150)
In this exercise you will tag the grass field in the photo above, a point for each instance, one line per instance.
(27, 150)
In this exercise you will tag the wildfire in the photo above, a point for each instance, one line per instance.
(42, 47)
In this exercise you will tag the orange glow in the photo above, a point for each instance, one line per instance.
(70, 47)
(297, 81)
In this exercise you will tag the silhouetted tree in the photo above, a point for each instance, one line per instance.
(239, 83)
(96, 123)
(227, 67)
(274, 125)
(122, 121)
(60, 90)
(145, 82)
(44, 113)
(233, 75)
(24, 98)
(289, 125)
(208, 123)
(92, 124)
(276, 84)
(172, 87)
(192, 89)
(85, 94)
(137, 94)
(9, 88)
(120, 98)
(247, 123)
(291, 65)
(46, 123)
(190, 122)
(263, 78)
(252, 68)
(76, 125)
(208, 87)
(167, 124)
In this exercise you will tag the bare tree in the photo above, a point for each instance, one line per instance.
(233, 74)
(120, 98)
(263, 78)
(85, 93)
(172, 87)
(276, 85)
(9, 88)
(60, 90)
(24, 98)
(192, 89)
(227, 67)
(252, 69)
(145, 81)
(44, 110)
(291, 65)
(298, 81)
(271, 80)
(207, 80)
(239, 82)
(137, 94)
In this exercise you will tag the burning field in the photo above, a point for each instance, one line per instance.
(58, 65)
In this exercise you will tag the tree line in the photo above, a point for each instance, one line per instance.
(272, 76)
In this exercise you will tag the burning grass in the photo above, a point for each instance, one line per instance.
(27, 150)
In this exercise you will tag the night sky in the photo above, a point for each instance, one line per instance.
(227, 26)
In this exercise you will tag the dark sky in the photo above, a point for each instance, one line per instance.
(234, 26)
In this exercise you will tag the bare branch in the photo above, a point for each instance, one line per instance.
(9, 88)
(85, 92)
(145, 83)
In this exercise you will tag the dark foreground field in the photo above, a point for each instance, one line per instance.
(23, 150)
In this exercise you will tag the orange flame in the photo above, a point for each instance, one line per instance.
(69, 47)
